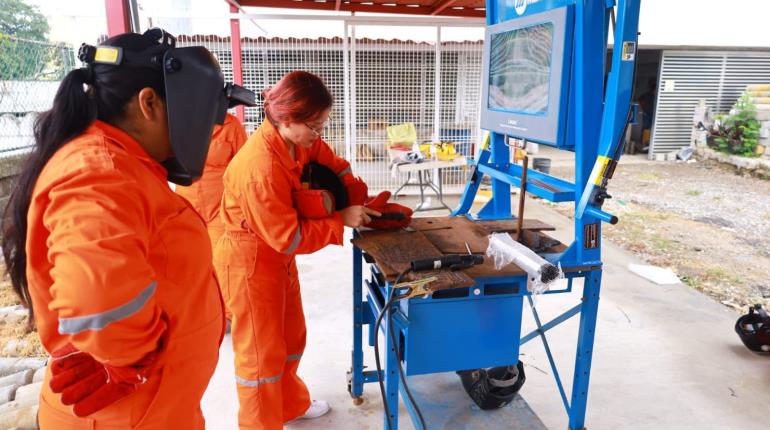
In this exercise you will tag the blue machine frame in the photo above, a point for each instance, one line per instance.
(595, 121)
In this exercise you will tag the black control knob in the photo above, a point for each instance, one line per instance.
(173, 65)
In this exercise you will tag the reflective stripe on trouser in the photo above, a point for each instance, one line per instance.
(268, 332)
(269, 379)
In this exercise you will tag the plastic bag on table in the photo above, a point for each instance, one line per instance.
(540, 273)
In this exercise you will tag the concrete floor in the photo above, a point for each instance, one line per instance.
(666, 357)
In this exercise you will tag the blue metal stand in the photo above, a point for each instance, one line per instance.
(481, 326)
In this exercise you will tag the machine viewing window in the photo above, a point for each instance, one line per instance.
(525, 92)
(520, 69)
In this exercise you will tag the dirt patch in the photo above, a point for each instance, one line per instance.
(708, 222)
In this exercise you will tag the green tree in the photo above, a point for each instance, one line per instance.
(24, 53)
(20, 20)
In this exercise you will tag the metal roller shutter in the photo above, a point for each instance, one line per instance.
(717, 77)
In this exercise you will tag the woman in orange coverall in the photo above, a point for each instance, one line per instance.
(115, 266)
(263, 233)
(206, 194)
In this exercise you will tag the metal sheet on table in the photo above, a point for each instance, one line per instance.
(450, 234)
(394, 250)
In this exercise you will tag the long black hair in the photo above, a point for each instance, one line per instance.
(74, 108)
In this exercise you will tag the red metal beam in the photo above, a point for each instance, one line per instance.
(118, 18)
(439, 6)
(235, 48)
(337, 6)
(359, 7)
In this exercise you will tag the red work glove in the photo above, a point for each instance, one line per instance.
(313, 204)
(90, 385)
(380, 204)
(357, 192)
(377, 202)
(391, 209)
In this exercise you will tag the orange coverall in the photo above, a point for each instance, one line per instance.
(119, 265)
(255, 261)
(205, 195)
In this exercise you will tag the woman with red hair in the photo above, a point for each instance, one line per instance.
(264, 230)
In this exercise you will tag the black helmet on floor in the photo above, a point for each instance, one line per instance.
(495, 387)
(754, 329)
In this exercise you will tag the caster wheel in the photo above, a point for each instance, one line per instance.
(358, 401)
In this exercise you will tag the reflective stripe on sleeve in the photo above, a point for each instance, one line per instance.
(75, 325)
(344, 172)
(295, 242)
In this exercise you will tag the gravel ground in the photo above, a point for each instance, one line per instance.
(707, 222)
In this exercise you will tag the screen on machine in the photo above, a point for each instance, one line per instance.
(520, 69)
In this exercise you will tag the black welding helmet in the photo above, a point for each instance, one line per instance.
(754, 329)
(316, 176)
(495, 387)
(195, 93)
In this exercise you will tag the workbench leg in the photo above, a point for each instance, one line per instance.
(441, 190)
(585, 346)
(408, 180)
(356, 376)
(391, 379)
(422, 191)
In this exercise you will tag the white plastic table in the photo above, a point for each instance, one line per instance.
(424, 180)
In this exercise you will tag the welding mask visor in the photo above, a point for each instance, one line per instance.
(196, 96)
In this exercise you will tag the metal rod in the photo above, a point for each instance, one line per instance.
(555, 371)
(373, 294)
(522, 198)
(240, 11)
(565, 290)
(350, 72)
(551, 324)
(237, 58)
(134, 12)
(437, 87)
(362, 20)
(410, 408)
(372, 376)
(357, 378)
(346, 84)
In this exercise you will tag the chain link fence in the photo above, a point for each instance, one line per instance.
(30, 72)
(380, 75)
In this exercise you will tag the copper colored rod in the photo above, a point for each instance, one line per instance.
(522, 196)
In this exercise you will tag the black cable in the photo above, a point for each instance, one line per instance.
(385, 308)
(377, 362)
(403, 376)
(392, 298)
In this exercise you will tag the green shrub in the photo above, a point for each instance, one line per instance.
(738, 133)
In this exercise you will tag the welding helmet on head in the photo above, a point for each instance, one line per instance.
(495, 387)
(196, 95)
(754, 329)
